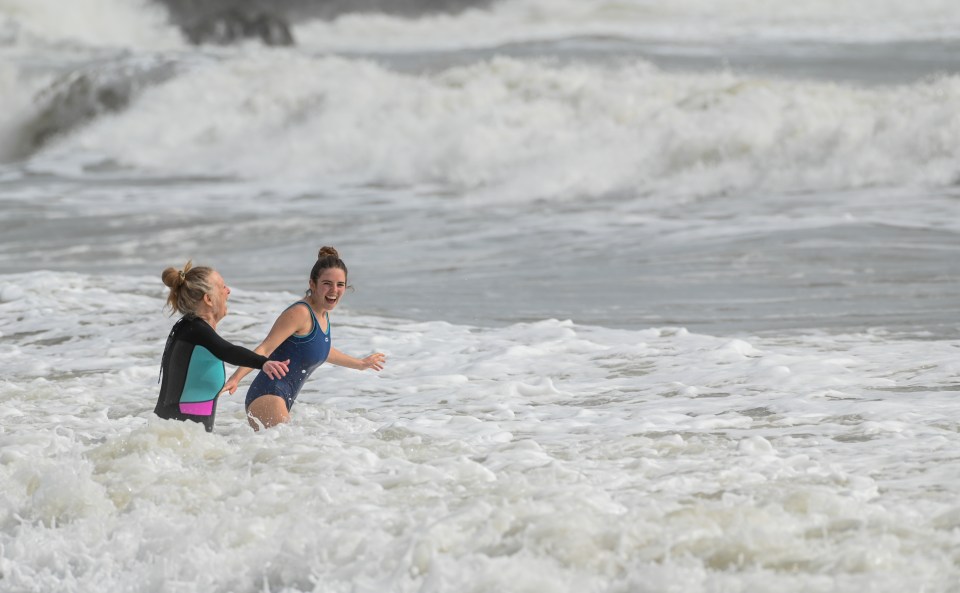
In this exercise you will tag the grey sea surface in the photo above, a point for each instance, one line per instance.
(741, 262)
(853, 266)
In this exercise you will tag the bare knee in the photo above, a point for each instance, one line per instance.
(267, 411)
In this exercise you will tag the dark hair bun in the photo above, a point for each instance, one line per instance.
(327, 252)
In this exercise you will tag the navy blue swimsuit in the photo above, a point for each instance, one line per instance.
(306, 353)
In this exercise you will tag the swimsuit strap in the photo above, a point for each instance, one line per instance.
(315, 323)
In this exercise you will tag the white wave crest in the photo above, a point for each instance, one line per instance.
(97, 23)
(527, 129)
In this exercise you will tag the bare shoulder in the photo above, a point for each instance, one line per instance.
(297, 317)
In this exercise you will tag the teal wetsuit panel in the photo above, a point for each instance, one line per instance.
(205, 377)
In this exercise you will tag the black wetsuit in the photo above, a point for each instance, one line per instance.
(192, 371)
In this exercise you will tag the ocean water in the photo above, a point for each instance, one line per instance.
(670, 294)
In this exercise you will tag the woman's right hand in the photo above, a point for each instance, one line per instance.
(276, 369)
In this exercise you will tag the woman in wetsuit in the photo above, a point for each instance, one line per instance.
(192, 372)
(301, 334)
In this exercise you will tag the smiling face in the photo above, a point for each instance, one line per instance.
(328, 288)
(218, 296)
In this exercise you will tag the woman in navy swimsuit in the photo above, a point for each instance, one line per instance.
(301, 334)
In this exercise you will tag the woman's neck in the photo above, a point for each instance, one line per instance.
(208, 317)
(316, 303)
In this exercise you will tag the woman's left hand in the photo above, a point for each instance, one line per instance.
(375, 361)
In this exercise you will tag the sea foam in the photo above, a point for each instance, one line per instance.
(608, 457)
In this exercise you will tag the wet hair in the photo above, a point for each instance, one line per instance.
(187, 287)
(327, 258)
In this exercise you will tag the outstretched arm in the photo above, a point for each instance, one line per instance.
(290, 322)
(375, 361)
(202, 334)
